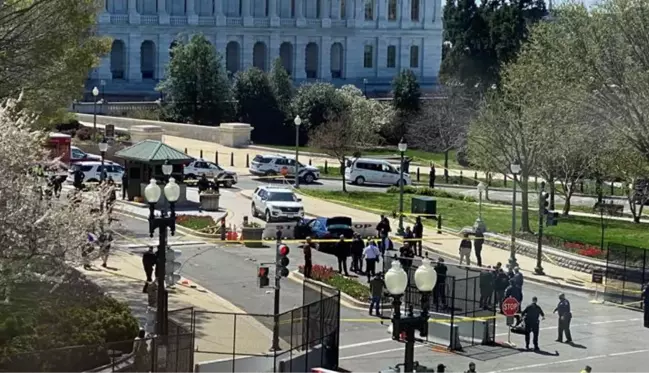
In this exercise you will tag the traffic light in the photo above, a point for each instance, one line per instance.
(282, 260)
(262, 274)
(552, 219)
(543, 202)
(172, 266)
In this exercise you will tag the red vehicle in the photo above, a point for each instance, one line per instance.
(60, 146)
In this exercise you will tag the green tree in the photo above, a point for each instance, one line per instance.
(282, 87)
(196, 86)
(316, 103)
(47, 48)
(479, 39)
(256, 104)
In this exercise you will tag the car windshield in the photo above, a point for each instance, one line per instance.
(216, 166)
(282, 197)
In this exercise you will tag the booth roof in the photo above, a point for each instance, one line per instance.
(152, 151)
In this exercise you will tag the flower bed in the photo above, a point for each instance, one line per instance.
(332, 278)
(585, 250)
(199, 223)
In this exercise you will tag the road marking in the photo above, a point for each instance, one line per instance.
(570, 361)
(586, 324)
(361, 344)
(376, 353)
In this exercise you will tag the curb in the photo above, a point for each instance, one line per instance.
(345, 299)
(175, 243)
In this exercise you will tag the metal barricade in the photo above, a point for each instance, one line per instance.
(625, 274)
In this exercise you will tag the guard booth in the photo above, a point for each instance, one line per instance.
(143, 161)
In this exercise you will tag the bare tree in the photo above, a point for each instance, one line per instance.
(356, 128)
(442, 123)
(40, 239)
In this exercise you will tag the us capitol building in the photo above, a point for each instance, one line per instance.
(362, 42)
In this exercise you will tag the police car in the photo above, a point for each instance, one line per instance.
(212, 171)
(276, 204)
(275, 165)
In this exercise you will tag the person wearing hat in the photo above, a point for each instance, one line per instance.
(565, 316)
(441, 368)
(357, 247)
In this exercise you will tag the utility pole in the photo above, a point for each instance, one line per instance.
(275, 346)
(539, 247)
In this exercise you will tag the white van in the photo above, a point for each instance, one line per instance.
(361, 171)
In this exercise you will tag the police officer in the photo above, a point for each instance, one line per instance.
(564, 318)
(531, 315)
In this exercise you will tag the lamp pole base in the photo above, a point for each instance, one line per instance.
(539, 271)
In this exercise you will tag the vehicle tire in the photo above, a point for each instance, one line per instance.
(359, 180)
(228, 182)
(401, 182)
(267, 216)
(253, 211)
(270, 174)
(190, 177)
(91, 181)
(309, 178)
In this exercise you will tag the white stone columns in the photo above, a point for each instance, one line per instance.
(349, 12)
(246, 52)
(299, 72)
(335, 9)
(273, 48)
(245, 13)
(325, 58)
(272, 13)
(192, 17)
(164, 42)
(104, 16)
(429, 14)
(133, 15)
(325, 13)
(163, 15)
(134, 57)
(406, 8)
(360, 11)
(219, 9)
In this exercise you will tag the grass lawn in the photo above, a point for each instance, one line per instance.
(417, 155)
(349, 286)
(458, 214)
(195, 222)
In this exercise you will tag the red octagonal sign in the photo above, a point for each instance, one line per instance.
(510, 306)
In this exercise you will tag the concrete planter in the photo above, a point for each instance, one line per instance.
(210, 202)
(253, 234)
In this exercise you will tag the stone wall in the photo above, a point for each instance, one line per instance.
(229, 134)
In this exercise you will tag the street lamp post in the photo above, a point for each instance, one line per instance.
(298, 122)
(152, 193)
(515, 169)
(365, 87)
(479, 223)
(402, 149)
(95, 93)
(396, 280)
(103, 147)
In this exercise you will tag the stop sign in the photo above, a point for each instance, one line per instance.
(510, 306)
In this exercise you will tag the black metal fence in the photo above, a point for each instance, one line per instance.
(461, 299)
(626, 272)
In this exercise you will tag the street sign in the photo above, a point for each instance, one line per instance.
(110, 131)
(597, 277)
(510, 306)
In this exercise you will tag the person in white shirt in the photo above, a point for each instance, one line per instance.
(371, 254)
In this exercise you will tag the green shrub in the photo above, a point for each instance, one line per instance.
(425, 191)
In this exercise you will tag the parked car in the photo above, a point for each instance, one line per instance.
(275, 165)
(78, 155)
(326, 229)
(212, 171)
(92, 171)
(361, 171)
(276, 204)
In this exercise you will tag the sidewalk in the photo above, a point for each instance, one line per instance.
(447, 244)
(124, 280)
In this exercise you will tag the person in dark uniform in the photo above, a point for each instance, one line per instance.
(357, 247)
(500, 284)
(308, 263)
(565, 316)
(431, 176)
(514, 292)
(439, 291)
(149, 259)
(78, 176)
(406, 254)
(342, 252)
(645, 296)
(477, 246)
(124, 184)
(418, 232)
(203, 184)
(531, 315)
(487, 280)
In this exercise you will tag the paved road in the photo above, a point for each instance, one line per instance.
(247, 182)
(606, 337)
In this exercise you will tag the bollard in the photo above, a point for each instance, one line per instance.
(581, 187)
(461, 178)
(475, 177)
(232, 159)
(612, 189)
(505, 180)
(445, 175)
(439, 224)
(326, 167)
(185, 150)
(488, 179)
(417, 173)
(201, 152)
(309, 161)
(216, 157)
(223, 229)
(247, 160)
(536, 182)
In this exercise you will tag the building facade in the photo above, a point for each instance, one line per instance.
(344, 41)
